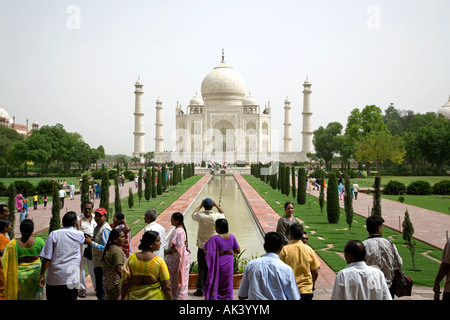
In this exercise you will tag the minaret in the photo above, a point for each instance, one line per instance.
(139, 133)
(307, 133)
(159, 132)
(287, 126)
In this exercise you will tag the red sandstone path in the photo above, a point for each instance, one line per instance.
(267, 217)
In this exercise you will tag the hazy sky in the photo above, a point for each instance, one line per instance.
(75, 62)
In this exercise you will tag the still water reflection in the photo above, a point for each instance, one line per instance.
(225, 191)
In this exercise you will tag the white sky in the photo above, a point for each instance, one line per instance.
(75, 62)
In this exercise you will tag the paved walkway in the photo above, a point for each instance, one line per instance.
(422, 220)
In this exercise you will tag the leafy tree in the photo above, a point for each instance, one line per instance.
(333, 209)
(376, 208)
(408, 231)
(327, 143)
(434, 142)
(55, 221)
(301, 192)
(380, 147)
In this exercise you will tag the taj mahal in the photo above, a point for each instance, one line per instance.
(224, 124)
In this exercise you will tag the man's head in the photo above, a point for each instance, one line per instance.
(87, 206)
(273, 242)
(208, 204)
(354, 251)
(296, 231)
(150, 215)
(374, 224)
(100, 216)
(4, 211)
(69, 219)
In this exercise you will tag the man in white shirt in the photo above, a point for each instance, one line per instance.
(61, 257)
(206, 229)
(150, 218)
(381, 252)
(86, 223)
(268, 277)
(355, 190)
(62, 195)
(72, 191)
(358, 281)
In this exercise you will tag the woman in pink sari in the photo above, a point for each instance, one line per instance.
(178, 258)
(19, 203)
(219, 258)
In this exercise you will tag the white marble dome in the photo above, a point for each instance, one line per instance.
(445, 109)
(196, 100)
(5, 115)
(223, 83)
(249, 101)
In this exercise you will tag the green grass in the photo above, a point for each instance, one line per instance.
(329, 239)
(433, 202)
(368, 182)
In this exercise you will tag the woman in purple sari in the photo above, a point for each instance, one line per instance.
(219, 258)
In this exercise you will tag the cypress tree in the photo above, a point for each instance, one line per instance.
(55, 221)
(164, 180)
(12, 208)
(376, 209)
(287, 181)
(301, 192)
(84, 190)
(148, 184)
(294, 191)
(159, 188)
(333, 209)
(281, 179)
(348, 201)
(104, 191)
(130, 198)
(140, 185)
(153, 182)
(408, 231)
(322, 194)
(117, 203)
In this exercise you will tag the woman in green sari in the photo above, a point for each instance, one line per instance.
(22, 265)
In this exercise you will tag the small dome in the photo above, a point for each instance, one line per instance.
(196, 100)
(249, 101)
(138, 83)
(445, 109)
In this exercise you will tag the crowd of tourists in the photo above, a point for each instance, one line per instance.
(160, 271)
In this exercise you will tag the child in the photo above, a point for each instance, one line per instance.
(25, 203)
(23, 214)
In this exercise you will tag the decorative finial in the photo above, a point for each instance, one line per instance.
(223, 55)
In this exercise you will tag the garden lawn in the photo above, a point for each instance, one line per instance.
(433, 202)
(328, 240)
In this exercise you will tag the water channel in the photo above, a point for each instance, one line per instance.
(225, 191)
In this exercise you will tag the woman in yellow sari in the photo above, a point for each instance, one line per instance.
(5, 227)
(22, 265)
(145, 276)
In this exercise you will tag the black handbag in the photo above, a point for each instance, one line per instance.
(87, 253)
(402, 283)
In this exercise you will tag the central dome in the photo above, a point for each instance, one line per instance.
(223, 83)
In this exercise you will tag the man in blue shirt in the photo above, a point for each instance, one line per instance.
(269, 278)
